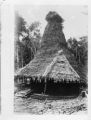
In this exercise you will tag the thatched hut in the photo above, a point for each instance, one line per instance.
(52, 71)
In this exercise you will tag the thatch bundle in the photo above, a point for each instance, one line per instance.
(52, 16)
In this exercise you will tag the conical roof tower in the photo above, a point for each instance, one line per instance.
(53, 35)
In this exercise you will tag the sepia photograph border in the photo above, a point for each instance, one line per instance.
(7, 62)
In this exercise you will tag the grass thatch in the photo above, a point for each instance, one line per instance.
(47, 61)
(53, 66)
(52, 16)
(60, 69)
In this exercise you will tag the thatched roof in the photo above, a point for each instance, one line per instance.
(56, 67)
(37, 66)
(49, 61)
(60, 68)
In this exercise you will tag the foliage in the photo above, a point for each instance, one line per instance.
(27, 40)
(20, 24)
(79, 49)
(34, 35)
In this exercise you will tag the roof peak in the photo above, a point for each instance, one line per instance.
(53, 16)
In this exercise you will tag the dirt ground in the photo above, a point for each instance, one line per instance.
(35, 106)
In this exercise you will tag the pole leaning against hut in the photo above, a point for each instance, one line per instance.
(54, 65)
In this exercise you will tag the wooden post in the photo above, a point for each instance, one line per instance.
(45, 86)
(18, 80)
